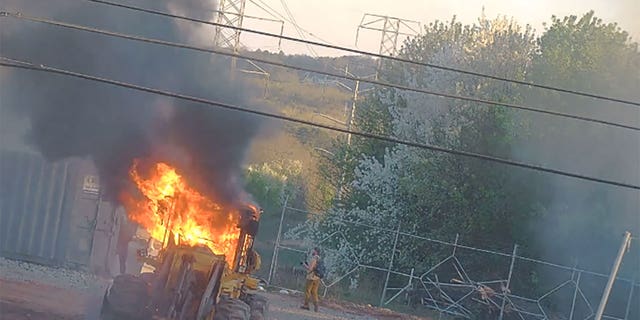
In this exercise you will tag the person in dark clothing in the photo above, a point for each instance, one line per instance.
(127, 231)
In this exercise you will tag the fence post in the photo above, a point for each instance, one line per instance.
(411, 277)
(633, 286)
(393, 253)
(626, 241)
(276, 246)
(505, 291)
(575, 295)
(455, 244)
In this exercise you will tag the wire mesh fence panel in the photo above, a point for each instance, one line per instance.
(449, 278)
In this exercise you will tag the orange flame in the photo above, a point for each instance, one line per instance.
(170, 204)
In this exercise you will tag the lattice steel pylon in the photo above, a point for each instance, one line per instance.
(391, 28)
(230, 13)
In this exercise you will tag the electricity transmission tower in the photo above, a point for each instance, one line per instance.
(391, 28)
(231, 13)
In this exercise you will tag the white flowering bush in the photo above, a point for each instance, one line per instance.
(423, 191)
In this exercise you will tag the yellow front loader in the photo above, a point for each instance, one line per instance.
(193, 283)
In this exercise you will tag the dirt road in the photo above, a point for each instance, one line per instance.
(284, 307)
(28, 300)
(32, 301)
(31, 292)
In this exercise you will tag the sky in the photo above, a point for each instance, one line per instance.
(336, 21)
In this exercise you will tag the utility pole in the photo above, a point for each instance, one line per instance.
(350, 116)
(626, 242)
(353, 111)
(390, 28)
(354, 100)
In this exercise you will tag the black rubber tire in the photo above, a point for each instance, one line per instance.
(108, 313)
(259, 306)
(127, 298)
(231, 309)
(105, 311)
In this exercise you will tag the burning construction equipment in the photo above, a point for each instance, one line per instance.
(203, 269)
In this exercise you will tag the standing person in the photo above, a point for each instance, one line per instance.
(313, 280)
(127, 231)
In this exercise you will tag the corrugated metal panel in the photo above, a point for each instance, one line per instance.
(105, 238)
(32, 206)
(82, 221)
(51, 213)
(89, 218)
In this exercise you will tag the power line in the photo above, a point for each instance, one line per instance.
(273, 13)
(297, 26)
(376, 55)
(284, 18)
(336, 75)
(40, 67)
(276, 14)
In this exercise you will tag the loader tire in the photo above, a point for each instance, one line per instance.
(126, 299)
(231, 309)
(106, 313)
(259, 307)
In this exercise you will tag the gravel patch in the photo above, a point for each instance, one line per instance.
(36, 292)
(53, 276)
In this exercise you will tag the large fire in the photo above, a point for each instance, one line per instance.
(171, 206)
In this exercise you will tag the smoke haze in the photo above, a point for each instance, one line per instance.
(112, 126)
(584, 222)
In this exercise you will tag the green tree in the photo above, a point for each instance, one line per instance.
(427, 192)
(584, 221)
(269, 183)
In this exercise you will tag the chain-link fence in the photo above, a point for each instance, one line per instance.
(463, 282)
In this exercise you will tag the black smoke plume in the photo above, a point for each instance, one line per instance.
(110, 125)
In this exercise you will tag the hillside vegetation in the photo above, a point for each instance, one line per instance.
(488, 205)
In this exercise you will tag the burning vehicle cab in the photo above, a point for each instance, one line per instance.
(249, 219)
(192, 281)
(247, 259)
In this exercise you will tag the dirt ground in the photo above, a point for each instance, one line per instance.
(28, 298)
(287, 307)
(31, 301)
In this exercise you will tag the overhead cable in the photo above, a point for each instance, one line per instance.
(372, 54)
(14, 63)
(490, 103)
